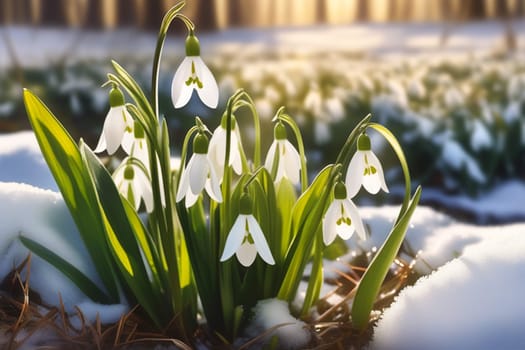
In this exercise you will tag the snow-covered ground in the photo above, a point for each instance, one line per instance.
(45, 45)
(471, 297)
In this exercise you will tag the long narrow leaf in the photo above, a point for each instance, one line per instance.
(63, 158)
(83, 282)
(370, 284)
(123, 238)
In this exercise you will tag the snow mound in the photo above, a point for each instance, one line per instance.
(290, 332)
(473, 302)
(21, 161)
(42, 216)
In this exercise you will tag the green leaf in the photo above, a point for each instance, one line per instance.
(306, 222)
(124, 230)
(88, 287)
(371, 282)
(63, 158)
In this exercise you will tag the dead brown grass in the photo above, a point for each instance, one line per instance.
(25, 320)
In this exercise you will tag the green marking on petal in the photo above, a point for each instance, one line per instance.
(373, 170)
(193, 78)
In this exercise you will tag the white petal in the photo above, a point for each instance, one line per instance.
(329, 223)
(216, 150)
(268, 164)
(235, 157)
(372, 183)
(191, 199)
(184, 184)
(246, 254)
(140, 151)
(209, 94)
(145, 189)
(354, 174)
(357, 223)
(291, 162)
(114, 127)
(128, 137)
(101, 145)
(127, 141)
(180, 92)
(198, 168)
(118, 175)
(212, 186)
(260, 240)
(235, 237)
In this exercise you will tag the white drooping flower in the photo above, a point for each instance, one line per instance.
(341, 218)
(217, 149)
(194, 75)
(198, 175)
(246, 238)
(133, 183)
(364, 170)
(139, 145)
(118, 126)
(288, 162)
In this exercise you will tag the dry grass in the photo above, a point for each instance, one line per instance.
(26, 323)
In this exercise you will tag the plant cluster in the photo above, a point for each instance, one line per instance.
(225, 228)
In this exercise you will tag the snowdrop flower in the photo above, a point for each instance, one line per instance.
(133, 183)
(118, 126)
(139, 145)
(342, 218)
(199, 174)
(289, 162)
(246, 238)
(364, 169)
(217, 149)
(193, 74)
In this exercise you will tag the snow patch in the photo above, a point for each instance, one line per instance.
(21, 161)
(41, 215)
(291, 332)
(473, 302)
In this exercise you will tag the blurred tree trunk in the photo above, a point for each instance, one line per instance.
(475, 9)
(127, 13)
(362, 10)
(94, 14)
(503, 11)
(320, 13)
(153, 14)
(53, 13)
(393, 11)
(206, 15)
(234, 13)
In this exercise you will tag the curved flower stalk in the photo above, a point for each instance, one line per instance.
(118, 126)
(341, 218)
(217, 149)
(246, 237)
(364, 170)
(282, 159)
(132, 181)
(194, 75)
(199, 174)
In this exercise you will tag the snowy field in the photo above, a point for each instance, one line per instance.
(470, 298)
(49, 45)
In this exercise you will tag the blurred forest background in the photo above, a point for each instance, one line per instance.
(447, 76)
(218, 14)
